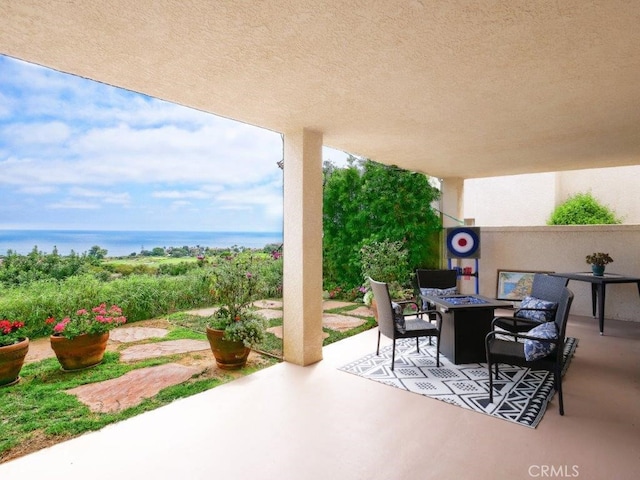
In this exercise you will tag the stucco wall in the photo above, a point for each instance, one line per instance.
(521, 200)
(563, 249)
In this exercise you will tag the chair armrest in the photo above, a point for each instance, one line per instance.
(556, 341)
(535, 309)
(406, 302)
(438, 315)
(514, 320)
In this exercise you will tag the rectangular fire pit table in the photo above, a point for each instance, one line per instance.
(466, 320)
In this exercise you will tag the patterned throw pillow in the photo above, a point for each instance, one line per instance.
(439, 292)
(545, 312)
(533, 350)
(398, 317)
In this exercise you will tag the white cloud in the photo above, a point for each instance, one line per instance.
(73, 205)
(38, 133)
(106, 148)
(179, 205)
(199, 194)
(38, 189)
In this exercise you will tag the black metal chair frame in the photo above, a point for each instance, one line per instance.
(501, 350)
(415, 328)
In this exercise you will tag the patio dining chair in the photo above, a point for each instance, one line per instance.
(394, 324)
(540, 348)
(435, 283)
(539, 306)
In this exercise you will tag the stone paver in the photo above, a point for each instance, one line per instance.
(341, 323)
(331, 304)
(39, 349)
(363, 311)
(133, 387)
(277, 331)
(268, 304)
(135, 334)
(162, 349)
(270, 314)
(203, 312)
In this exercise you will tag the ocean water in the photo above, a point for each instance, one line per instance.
(123, 243)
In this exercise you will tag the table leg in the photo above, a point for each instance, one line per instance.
(594, 296)
(601, 295)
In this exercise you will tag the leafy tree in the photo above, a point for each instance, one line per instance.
(97, 253)
(18, 269)
(368, 202)
(343, 226)
(583, 209)
(385, 262)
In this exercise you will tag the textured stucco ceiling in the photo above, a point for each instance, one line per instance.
(451, 88)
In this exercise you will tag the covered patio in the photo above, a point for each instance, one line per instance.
(453, 90)
(316, 422)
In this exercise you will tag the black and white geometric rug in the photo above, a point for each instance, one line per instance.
(520, 394)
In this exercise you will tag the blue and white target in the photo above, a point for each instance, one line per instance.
(463, 242)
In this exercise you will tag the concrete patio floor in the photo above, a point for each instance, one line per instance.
(291, 422)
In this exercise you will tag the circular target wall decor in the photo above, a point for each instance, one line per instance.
(463, 242)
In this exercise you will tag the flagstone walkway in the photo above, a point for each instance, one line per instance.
(194, 356)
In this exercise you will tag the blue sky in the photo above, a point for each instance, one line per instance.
(78, 154)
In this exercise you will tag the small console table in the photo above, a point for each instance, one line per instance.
(598, 288)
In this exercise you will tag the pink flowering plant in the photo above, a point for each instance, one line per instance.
(235, 285)
(10, 332)
(97, 321)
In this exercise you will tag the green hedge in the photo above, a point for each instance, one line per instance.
(140, 296)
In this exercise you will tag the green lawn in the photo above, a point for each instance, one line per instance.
(36, 412)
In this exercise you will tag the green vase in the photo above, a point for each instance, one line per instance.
(598, 270)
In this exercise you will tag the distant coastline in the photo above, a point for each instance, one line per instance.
(120, 243)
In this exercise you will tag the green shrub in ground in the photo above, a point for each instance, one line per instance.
(140, 296)
(368, 201)
(386, 261)
(270, 268)
(176, 268)
(583, 209)
(16, 269)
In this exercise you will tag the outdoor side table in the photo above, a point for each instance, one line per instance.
(598, 288)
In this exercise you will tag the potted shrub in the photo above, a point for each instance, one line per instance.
(235, 328)
(13, 349)
(598, 260)
(80, 340)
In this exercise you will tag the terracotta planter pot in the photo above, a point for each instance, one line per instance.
(11, 361)
(81, 352)
(228, 355)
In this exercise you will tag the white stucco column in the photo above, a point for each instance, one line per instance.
(452, 201)
(451, 208)
(302, 289)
